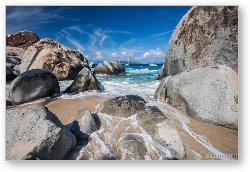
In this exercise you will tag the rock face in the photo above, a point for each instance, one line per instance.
(84, 81)
(208, 94)
(34, 133)
(22, 39)
(110, 68)
(83, 124)
(49, 55)
(32, 85)
(10, 74)
(143, 135)
(205, 36)
(14, 51)
(123, 106)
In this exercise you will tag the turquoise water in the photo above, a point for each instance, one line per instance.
(140, 79)
(135, 73)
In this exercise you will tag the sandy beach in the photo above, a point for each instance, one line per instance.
(67, 109)
(220, 140)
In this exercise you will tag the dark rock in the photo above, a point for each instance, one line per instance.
(84, 81)
(123, 106)
(22, 39)
(33, 132)
(33, 84)
(10, 74)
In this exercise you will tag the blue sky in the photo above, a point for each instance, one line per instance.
(139, 33)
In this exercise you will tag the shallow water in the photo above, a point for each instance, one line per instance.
(140, 79)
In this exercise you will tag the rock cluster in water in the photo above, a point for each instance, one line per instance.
(110, 68)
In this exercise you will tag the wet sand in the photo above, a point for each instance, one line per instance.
(67, 109)
(222, 141)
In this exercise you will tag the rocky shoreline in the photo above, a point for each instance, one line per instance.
(196, 116)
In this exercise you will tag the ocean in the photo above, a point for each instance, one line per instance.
(140, 79)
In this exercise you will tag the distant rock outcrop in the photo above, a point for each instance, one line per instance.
(110, 68)
(204, 37)
(84, 81)
(34, 133)
(21, 39)
(49, 55)
(32, 85)
(208, 94)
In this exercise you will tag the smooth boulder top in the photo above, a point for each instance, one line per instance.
(48, 54)
(32, 85)
(208, 94)
(22, 39)
(84, 81)
(110, 68)
(204, 37)
(33, 132)
(123, 106)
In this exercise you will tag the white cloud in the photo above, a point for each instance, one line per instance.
(114, 54)
(76, 28)
(102, 40)
(75, 43)
(153, 53)
(98, 56)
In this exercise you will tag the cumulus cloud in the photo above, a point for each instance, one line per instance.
(153, 53)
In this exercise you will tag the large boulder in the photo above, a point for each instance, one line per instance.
(83, 124)
(22, 39)
(33, 84)
(204, 37)
(84, 81)
(123, 106)
(110, 68)
(34, 133)
(49, 55)
(208, 94)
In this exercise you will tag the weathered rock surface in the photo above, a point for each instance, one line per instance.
(205, 36)
(34, 133)
(32, 85)
(123, 106)
(22, 39)
(146, 135)
(12, 61)
(110, 68)
(161, 129)
(14, 51)
(83, 124)
(49, 55)
(84, 81)
(208, 94)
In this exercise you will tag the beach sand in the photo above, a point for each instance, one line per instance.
(67, 109)
(218, 142)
